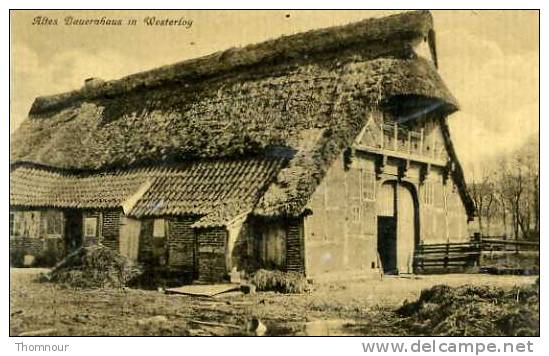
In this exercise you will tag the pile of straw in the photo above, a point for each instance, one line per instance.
(473, 311)
(278, 281)
(95, 267)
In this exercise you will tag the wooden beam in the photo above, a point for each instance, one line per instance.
(421, 142)
(382, 136)
(409, 142)
(402, 155)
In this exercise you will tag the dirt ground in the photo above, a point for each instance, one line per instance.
(359, 307)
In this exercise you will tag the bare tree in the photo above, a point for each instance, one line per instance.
(518, 189)
(483, 193)
(508, 194)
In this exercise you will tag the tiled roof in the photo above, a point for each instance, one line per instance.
(222, 189)
(206, 186)
(40, 188)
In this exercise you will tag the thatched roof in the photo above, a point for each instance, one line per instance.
(257, 101)
(381, 36)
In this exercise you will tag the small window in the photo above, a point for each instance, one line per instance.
(368, 185)
(54, 223)
(159, 228)
(90, 227)
(16, 224)
(355, 213)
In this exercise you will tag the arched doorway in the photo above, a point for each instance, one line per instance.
(397, 227)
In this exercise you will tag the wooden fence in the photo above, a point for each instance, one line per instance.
(463, 256)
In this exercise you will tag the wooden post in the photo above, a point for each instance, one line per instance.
(382, 133)
(409, 142)
(422, 254)
(446, 257)
(478, 247)
(421, 142)
(395, 136)
(516, 248)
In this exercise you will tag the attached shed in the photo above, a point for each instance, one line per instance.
(325, 151)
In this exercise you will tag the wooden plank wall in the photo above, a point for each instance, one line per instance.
(294, 246)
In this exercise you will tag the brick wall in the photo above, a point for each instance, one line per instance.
(27, 245)
(294, 246)
(111, 228)
(211, 254)
(180, 242)
(20, 245)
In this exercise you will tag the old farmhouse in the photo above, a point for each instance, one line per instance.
(321, 152)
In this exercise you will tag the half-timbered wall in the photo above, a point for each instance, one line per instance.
(341, 232)
(443, 217)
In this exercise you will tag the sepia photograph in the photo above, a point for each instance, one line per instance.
(274, 173)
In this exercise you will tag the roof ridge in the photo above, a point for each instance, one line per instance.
(406, 27)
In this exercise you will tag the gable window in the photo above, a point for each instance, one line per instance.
(90, 227)
(159, 228)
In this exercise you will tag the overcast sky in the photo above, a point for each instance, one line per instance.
(488, 59)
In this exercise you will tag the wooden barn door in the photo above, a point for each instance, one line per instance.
(129, 238)
(73, 230)
(396, 228)
(406, 229)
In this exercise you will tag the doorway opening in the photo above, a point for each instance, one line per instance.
(397, 227)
